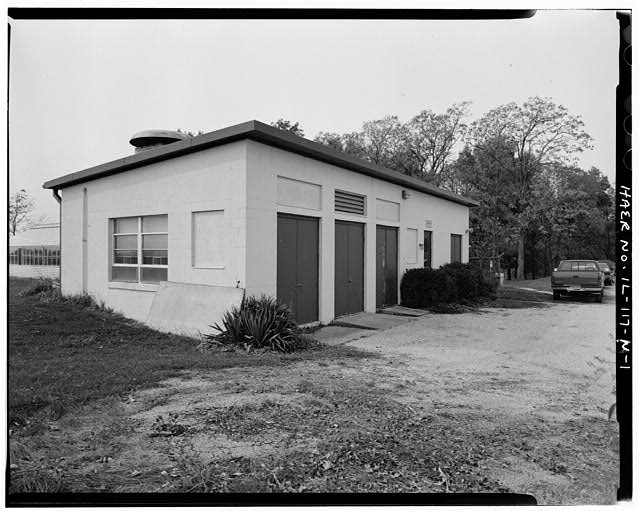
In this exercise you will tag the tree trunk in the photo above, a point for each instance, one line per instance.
(534, 262)
(520, 273)
(547, 258)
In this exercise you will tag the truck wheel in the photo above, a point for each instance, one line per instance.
(556, 294)
(599, 298)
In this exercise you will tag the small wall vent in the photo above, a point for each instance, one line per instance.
(350, 203)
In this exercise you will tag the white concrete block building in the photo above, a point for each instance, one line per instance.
(253, 207)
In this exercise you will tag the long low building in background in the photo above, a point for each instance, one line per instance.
(250, 207)
(35, 253)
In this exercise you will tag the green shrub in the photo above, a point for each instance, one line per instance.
(423, 288)
(451, 283)
(470, 283)
(258, 323)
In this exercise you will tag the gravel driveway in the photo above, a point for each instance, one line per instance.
(550, 369)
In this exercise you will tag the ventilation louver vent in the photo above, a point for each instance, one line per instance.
(350, 203)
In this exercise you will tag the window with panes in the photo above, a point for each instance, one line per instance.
(140, 250)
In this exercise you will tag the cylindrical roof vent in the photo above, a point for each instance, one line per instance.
(150, 139)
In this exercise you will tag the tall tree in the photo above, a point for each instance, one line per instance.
(330, 139)
(583, 214)
(421, 147)
(284, 124)
(475, 174)
(20, 208)
(354, 143)
(430, 139)
(383, 140)
(190, 133)
(537, 134)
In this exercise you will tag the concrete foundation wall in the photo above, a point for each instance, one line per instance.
(34, 271)
(208, 180)
(265, 164)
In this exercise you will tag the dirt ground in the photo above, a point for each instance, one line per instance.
(500, 400)
(549, 369)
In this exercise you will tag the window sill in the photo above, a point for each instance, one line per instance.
(219, 267)
(126, 285)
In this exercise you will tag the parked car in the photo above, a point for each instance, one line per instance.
(578, 277)
(608, 272)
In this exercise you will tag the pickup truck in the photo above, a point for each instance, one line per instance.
(578, 277)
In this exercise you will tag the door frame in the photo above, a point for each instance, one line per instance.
(397, 230)
(424, 250)
(456, 237)
(363, 226)
(318, 220)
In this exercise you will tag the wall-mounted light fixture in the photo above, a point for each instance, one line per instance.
(405, 195)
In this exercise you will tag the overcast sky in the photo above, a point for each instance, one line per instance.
(80, 89)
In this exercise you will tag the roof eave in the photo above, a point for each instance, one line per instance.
(284, 140)
(216, 138)
(263, 133)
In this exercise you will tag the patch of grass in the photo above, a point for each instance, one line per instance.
(29, 477)
(47, 290)
(66, 353)
(542, 284)
(513, 297)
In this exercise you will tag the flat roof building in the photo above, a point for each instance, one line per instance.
(179, 226)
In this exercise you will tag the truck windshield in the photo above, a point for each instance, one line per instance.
(575, 265)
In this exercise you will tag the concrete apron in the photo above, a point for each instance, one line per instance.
(402, 310)
(191, 309)
(352, 327)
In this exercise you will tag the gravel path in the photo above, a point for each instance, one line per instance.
(548, 367)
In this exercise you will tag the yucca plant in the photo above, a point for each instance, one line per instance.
(258, 322)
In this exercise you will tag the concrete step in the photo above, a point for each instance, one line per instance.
(402, 310)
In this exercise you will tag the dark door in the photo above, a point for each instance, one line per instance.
(386, 266)
(349, 268)
(427, 249)
(297, 272)
(456, 248)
